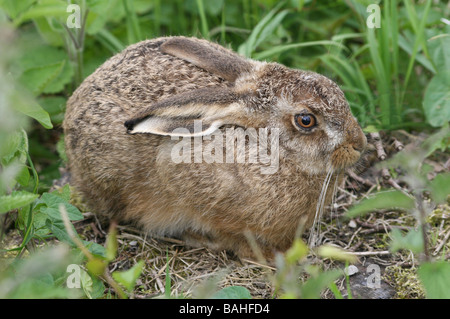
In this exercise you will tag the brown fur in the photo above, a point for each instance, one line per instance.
(169, 82)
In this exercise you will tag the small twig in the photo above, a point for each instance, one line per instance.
(371, 253)
(447, 164)
(398, 145)
(258, 264)
(385, 174)
(363, 181)
(442, 243)
(394, 184)
(381, 154)
(378, 227)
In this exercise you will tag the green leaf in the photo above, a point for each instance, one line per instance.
(92, 287)
(59, 82)
(128, 278)
(15, 147)
(95, 248)
(312, 288)
(382, 200)
(111, 245)
(55, 106)
(435, 277)
(37, 78)
(413, 240)
(440, 187)
(51, 207)
(43, 9)
(233, 292)
(16, 200)
(436, 102)
(45, 69)
(97, 18)
(34, 110)
(58, 229)
(439, 49)
(297, 251)
(23, 175)
(47, 31)
(63, 192)
(13, 7)
(96, 266)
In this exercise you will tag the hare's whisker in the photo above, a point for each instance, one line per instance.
(315, 229)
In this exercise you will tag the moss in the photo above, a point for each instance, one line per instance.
(405, 282)
(442, 212)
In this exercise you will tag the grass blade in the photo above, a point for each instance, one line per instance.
(283, 48)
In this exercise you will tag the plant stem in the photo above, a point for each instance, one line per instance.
(423, 225)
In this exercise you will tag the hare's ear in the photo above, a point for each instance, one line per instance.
(208, 56)
(194, 113)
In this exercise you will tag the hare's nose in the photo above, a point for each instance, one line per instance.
(356, 138)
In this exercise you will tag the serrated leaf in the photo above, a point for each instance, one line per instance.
(51, 208)
(16, 200)
(36, 79)
(43, 62)
(233, 292)
(59, 230)
(435, 277)
(128, 278)
(382, 200)
(58, 83)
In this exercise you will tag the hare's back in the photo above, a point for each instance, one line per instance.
(128, 82)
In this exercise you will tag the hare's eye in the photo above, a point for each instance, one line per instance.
(305, 121)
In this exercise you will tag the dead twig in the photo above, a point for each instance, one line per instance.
(381, 154)
(442, 243)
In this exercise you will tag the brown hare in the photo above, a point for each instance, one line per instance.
(127, 124)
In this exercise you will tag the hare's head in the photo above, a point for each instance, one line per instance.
(316, 127)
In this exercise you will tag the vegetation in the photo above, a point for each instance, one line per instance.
(396, 78)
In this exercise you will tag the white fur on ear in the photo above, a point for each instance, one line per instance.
(169, 127)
